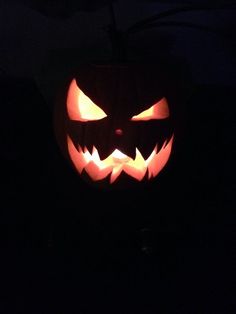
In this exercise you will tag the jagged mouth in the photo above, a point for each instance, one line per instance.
(118, 162)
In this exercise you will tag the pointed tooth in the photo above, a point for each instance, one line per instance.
(136, 168)
(95, 155)
(139, 156)
(87, 155)
(95, 172)
(159, 160)
(129, 151)
(136, 173)
(77, 157)
(115, 174)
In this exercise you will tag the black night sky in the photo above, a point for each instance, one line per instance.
(67, 247)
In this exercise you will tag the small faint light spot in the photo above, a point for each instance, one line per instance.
(119, 132)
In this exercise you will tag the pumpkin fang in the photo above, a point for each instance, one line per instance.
(117, 162)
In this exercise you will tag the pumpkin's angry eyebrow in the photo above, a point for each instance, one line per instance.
(80, 107)
(158, 111)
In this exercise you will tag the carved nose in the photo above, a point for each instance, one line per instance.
(118, 132)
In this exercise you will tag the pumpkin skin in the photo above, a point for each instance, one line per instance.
(114, 124)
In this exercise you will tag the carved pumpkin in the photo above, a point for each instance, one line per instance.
(114, 124)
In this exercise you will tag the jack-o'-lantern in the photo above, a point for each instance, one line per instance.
(114, 124)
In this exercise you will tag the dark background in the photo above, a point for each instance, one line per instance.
(69, 248)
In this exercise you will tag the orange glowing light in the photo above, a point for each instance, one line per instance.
(80, 107)
(117, 162)
(160, 110)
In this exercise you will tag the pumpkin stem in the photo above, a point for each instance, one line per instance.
(116, 38)
(112, 15)
(140, 25)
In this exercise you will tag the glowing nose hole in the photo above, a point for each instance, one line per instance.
(119, 132)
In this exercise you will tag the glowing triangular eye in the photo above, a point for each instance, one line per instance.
(80, 107)
(160, 110)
